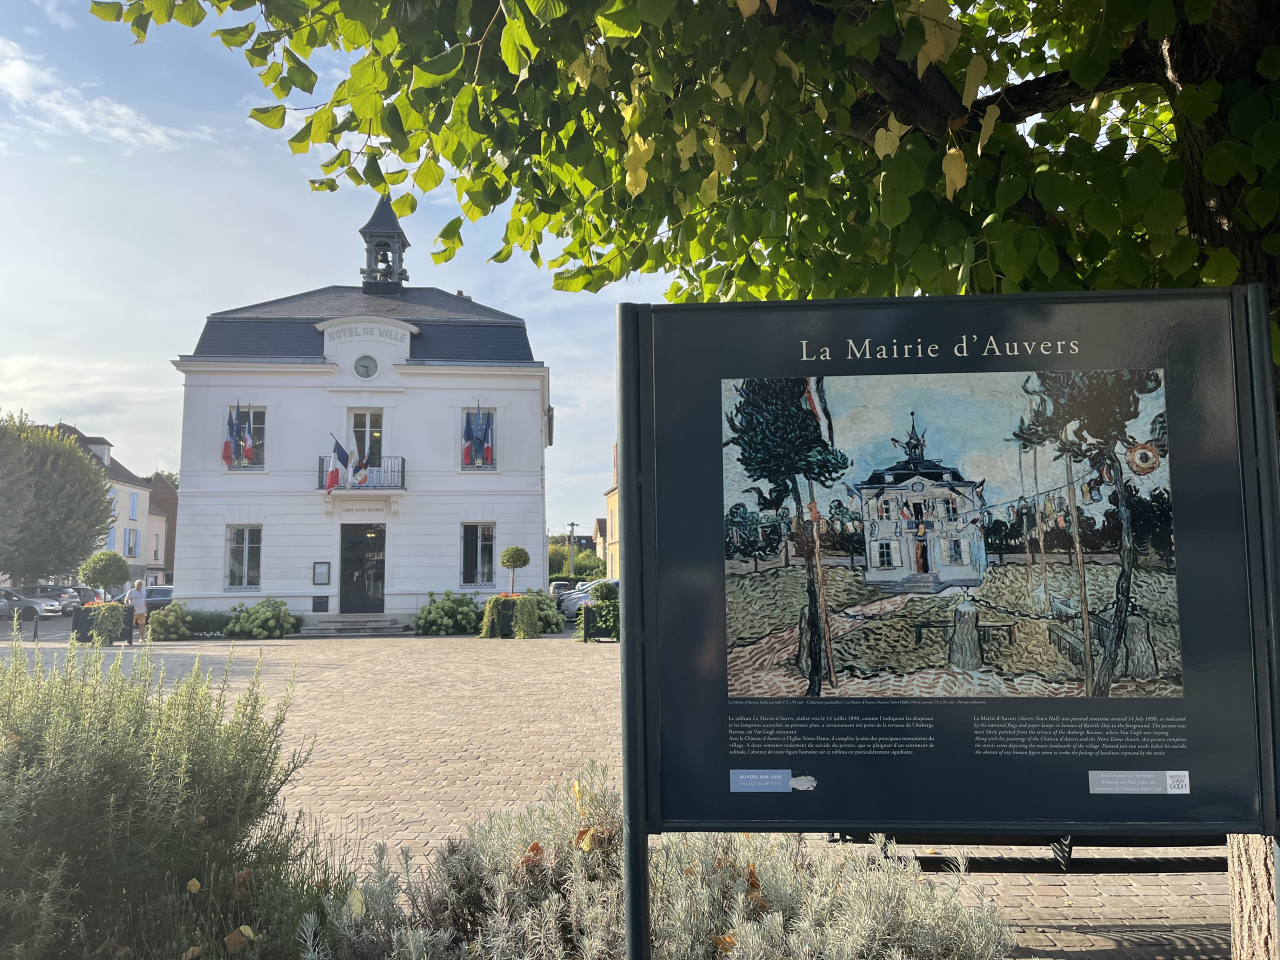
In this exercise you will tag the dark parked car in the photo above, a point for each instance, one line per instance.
(31, 607)
(158, 597)
(90, 594)
(67, 596)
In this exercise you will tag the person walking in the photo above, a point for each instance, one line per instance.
(136, 600)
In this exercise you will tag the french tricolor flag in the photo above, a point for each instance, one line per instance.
(339, 457)
(228, 444)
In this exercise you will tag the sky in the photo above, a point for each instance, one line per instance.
(138, 198)
(966, 420)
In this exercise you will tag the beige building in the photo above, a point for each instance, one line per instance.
(133, 526)
(607, 545)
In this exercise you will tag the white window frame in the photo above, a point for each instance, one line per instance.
(955, 552)
(259, 461)
(155, 553)
(886, 508)
(462, 554)
(231, 546)
(462, 426)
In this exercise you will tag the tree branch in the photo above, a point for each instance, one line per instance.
(1051, 92)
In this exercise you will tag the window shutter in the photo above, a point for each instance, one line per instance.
(111, 539)
(895, 549)
(133, 506)
(964, 551)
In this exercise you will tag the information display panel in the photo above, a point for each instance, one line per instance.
(976, 564)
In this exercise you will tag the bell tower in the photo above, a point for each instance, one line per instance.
(384, 246)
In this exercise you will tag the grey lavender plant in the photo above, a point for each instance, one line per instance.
(545, 882)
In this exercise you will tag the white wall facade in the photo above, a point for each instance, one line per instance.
(422, 405)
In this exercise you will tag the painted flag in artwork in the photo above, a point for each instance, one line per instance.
(228, 443)
(339, 457)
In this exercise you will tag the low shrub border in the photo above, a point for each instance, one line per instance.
(452, 613)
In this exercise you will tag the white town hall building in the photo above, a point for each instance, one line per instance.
(439, 408)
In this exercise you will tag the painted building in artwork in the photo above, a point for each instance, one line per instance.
(352, 448)
(923, 525)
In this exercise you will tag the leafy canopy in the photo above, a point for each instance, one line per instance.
(795, 148)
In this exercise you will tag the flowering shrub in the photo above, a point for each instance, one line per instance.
(169, 623)
(268, 618)
(451, 613)
(550, 619)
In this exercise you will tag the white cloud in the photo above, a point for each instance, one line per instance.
(52, 9)
(50, 105)
(137, 406)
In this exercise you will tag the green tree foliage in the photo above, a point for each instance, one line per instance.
(15, 481)
(106, 570)
(585, 563)
(781, 442)
(513, 559)
(790, 148)
(70, 510)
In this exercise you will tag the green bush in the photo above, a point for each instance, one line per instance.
(106, 569)
(451, 613)
(108, 621)
(527, 624)
(172, 622)
(604, 590)
(210, 623)
(550, 619)
(268, 618)
(603, 617)
(494, 609)
(141, 815)
(547, 882)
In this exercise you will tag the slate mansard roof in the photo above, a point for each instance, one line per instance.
(925, 469)
(453, 328)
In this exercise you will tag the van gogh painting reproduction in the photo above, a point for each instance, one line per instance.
(976, 534)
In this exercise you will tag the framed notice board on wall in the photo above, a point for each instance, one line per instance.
(970, 564)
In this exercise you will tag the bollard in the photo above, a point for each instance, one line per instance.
(35, 628)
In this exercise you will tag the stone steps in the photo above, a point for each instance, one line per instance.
(355, 625)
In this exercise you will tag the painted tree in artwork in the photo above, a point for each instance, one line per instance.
(1085, 415)
(779, 433)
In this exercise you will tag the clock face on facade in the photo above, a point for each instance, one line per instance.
(366, 367)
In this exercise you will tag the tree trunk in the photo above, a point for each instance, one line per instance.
(965, 652)
(1114, 640)
(1139, 652)
(816, 633)
(1251, 871)
(1225, 48)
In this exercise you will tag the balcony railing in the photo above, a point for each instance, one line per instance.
(384, 473)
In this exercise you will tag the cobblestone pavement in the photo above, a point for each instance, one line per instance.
(415, 737)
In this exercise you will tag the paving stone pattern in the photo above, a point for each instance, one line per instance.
(415, 737)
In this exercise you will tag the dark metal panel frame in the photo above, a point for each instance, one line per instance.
(638, 532)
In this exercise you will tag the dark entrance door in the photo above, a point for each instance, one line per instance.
(363, 567)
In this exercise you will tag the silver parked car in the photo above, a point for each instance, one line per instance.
(571, 601)
(31, 607)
